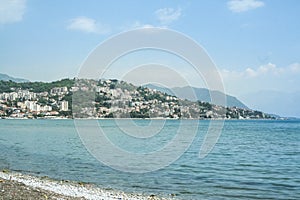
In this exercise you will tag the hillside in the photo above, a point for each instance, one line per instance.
(200, 94)
(10, 86)
(85, 98)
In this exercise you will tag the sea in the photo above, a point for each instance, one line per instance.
(251, 159)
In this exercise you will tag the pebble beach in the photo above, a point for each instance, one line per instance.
(19, 186)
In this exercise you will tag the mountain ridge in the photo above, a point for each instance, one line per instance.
(201, 94)
(5, 77)
(89, 98)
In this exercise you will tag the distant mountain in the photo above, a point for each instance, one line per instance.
(201, 94)
(285, 104)
(5, 77)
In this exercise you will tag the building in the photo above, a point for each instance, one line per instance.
(64, 106)
(59, 91)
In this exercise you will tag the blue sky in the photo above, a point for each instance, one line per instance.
(254, 43)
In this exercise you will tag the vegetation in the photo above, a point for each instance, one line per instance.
(107, 99)
(37, 87)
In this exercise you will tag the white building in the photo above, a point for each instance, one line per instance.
(59, 90)
(30, 105)
(21, 105)
(46, 108)
(64, 106)
(36, 107)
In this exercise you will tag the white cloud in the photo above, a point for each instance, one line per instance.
(244, 5)
(269, 69)
(12, 11)
(138, 24)
(295, 68)
(250, 72)
(165, 16)
(88, 25)
(264, 69)
(168, 15)
(265, 77)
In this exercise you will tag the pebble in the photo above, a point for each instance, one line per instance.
(72, 190)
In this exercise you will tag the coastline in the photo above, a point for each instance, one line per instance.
(20, 186)
(199, 119)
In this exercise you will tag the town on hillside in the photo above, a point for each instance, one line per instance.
(86, 98)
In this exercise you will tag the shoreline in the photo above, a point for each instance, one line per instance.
(15, 185)
(171, 119)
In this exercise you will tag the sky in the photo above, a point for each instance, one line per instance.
(255, 44)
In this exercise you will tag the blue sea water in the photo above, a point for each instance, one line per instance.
(251, 160)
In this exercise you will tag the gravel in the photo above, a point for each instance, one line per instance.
(16, 186)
